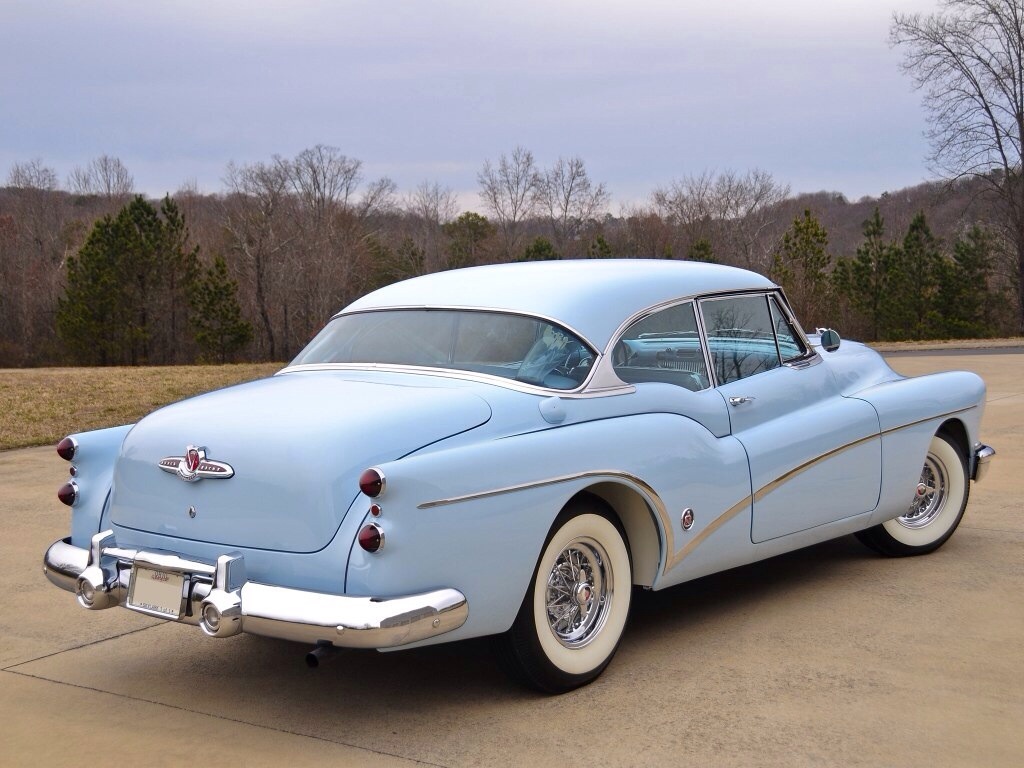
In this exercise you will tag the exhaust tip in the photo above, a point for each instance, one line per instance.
(324, 651)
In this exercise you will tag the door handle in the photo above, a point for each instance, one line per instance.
(734, 401)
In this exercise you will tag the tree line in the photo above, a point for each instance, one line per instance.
(94, 274)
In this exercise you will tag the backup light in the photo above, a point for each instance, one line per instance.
(211, 617)
(86, 593)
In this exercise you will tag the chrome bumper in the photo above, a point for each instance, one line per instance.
(982, 455)
(222, 602)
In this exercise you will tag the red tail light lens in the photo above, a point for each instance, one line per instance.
(371, 482)
(68, 493)
(371, 538)
(66, 448)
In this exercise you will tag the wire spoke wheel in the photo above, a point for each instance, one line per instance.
(579, 592)
(936, 507)
(574, 612)
(929, 496)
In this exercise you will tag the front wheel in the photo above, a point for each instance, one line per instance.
(575, 610)
(939, 501)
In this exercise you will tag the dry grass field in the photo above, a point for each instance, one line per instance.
(40, 405)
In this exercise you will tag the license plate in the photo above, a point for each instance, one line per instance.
(156, 592)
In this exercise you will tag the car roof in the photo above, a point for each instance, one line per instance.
(590, 296)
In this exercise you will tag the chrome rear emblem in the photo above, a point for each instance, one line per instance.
(192, 458)
(195, 466)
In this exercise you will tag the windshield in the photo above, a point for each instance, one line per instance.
(516, 347)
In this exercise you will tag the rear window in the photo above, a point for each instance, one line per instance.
(518, 347)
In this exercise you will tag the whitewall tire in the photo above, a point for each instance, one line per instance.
(576, 607)
(937, 506)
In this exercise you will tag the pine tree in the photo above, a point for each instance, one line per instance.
(599, 248)
(701, 250)
(131, 272)
(217, 323)
(870, 282)
(963, 296)
(801, 266)
(469, 235)
(917, 281)
(540, 249)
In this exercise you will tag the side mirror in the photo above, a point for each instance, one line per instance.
(829, 339)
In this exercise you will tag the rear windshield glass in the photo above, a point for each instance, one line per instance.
(516, 347)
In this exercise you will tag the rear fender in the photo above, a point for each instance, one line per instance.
(475, 517)
(94, 463)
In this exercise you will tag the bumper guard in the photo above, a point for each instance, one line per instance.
(982, 456)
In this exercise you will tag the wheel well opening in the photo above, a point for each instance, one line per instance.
(637, 520)
(954, 429)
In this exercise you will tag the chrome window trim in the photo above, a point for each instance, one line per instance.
(481, 378)
(811, 356)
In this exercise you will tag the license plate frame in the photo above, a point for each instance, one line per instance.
(156, 592)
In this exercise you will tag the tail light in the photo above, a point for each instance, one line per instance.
(68, 493)
(371, 537)
(372, 482)
(66, 448)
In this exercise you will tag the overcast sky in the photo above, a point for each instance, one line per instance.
(644, 91)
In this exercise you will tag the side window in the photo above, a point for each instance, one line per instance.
(790, 345)
(741, 336)
(663, 347)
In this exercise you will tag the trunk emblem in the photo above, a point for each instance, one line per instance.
(195, 466)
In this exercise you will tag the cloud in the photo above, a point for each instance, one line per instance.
(644, 91)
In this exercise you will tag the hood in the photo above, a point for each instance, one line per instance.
(296, 444)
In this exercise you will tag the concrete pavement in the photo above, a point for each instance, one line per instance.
(828, 656)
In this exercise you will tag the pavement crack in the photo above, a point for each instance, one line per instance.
(1003, 397)
(14, 667)
(288, 731)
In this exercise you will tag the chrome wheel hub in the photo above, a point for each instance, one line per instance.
(929, 496)
(578, 593)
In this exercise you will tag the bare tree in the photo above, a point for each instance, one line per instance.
(691, 207)
(378, 199)
(325, 179)
(32, 174)
(328, 257)
(733, 211)
(105, 176)
(509, 191)
(969, 61)
(257, 218)
(570, 200)
(37, 240)
(431, 206)
(748, 203)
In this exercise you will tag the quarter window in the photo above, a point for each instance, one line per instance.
(663, 347)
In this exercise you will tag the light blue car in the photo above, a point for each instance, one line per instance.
(509, 450)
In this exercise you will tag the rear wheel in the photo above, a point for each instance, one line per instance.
(575, 610)
(939, 501)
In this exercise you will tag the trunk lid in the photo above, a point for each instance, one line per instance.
(296, 443)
